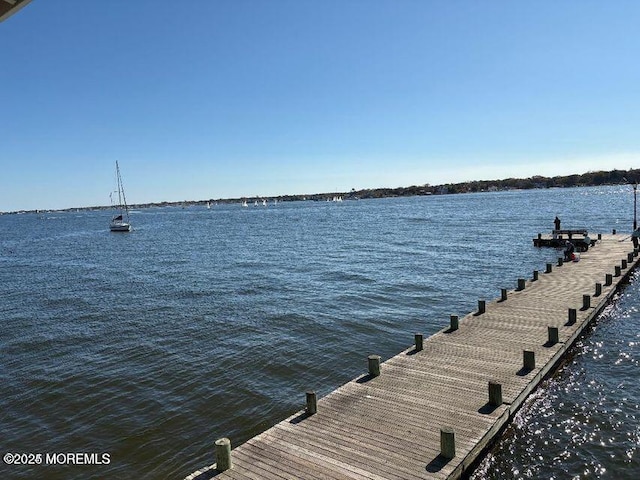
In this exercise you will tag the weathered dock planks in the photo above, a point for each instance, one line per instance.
(391, 426)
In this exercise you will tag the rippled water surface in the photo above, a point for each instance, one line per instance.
(206, 323)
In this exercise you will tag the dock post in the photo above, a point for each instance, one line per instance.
(503, 294)
(598, 289)
(495, 393)
(312, 403)
(223, 454)
(549, 268)
(614, 231)
(629, 257)
(618, 271)
(572, 316)
(482, 306)
(623, 264)
(374, 365)
(535, 276)
(586, 302)
(560, 260)
(608, 279)
(447, 443)
(553, 335)
(599, 236)
(454, 322)
(521, 284)
(418, 338)
(529, 359)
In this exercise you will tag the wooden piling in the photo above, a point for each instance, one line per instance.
(573, 314)
(586, 302)
(608, 279)
(454, 322)
(223, 454)
(549, 268)
(535, 276)
(521, 284)
(495, 393)
(418, 341)
(618, 271)
(312, 403)
(374, 365)
(503, 294)
(528, 359)
(482, 306)
(598, 289)
(553, 335)
(447, 443)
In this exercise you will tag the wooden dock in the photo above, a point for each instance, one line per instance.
(431, 412)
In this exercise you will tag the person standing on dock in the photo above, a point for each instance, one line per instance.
(556, 223)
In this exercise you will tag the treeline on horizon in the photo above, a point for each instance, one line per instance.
(589, 179)
(613, 177)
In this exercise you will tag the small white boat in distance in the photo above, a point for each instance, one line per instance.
(120, 222)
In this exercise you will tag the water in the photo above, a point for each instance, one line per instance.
(207, 323)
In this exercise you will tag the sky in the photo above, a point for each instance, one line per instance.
(240, 98)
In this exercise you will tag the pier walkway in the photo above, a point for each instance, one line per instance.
(430, 411)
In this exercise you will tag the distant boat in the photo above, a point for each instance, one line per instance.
(208, 205)
(244, 204)
(264, 202)
(120, 222)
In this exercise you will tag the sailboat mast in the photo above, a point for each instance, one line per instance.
(121, 197)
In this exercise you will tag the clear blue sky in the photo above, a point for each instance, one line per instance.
(214, 99)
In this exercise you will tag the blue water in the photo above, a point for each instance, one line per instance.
(202, 323)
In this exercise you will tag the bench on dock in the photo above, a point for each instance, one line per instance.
(571, 232)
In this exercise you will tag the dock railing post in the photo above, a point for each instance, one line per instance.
(560, 260)
(447, 443)
(503, 294)
(553, 335)
(495, 393)
(549, 268)
(521, 284)
(418, 340)
(312, 403)
(608, 279)
(535, 276)
(374, 365)
(454, 322)
(623, 264)
(586, 302)
(598, 289)
(529, 359)
(572, 316)
(482, 306)
(223, 454)
(618, 271)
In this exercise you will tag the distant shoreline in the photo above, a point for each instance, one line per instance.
(589, 179)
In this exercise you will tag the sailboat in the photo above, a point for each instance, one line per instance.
(120, 221)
